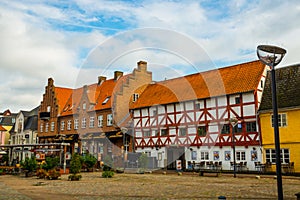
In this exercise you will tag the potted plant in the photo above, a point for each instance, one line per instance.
(107, 168)
(143, 163)
(29, 166)
(50, 167)
(75, 167)
(90, 161)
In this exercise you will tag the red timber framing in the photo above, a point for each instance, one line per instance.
(181, 123)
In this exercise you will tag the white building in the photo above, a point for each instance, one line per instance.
(188, 118)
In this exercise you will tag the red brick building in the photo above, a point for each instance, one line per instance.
(94, 117)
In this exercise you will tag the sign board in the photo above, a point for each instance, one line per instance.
(178, 165)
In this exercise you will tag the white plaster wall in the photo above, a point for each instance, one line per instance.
(249, 110)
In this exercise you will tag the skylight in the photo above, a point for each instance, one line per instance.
(105, 100)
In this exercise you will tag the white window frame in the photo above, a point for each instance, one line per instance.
(62, 125)
(41, 127)
(92, 122)
(271, 155)
(109, 120)
(204, 155)
(76, 124)
(83, 123)
(46, 127)
(282, 120)
(100, 120)
(52, 126)
(240, 155)
(69, 125)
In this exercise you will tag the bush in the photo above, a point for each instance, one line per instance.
(89, 160)
(108, 174)
(75, 164)
(51, 163)
(30, 164)
(143, 161)
(74, 177)
(108, 163)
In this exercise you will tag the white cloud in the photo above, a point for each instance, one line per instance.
(40, 40)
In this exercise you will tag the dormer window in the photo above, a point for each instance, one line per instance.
(135, 97)
(48, 108)
(84, 106)
(105, 100)
(237, 100)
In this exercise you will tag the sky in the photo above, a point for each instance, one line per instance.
(76, 41)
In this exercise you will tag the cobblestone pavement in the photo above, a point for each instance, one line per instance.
(147, 186)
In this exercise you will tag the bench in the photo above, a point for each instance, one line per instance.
(217, 171)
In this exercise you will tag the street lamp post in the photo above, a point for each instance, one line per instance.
(272, 56)
(233, 122)
(124, 131)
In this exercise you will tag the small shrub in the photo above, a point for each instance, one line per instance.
(75, 164)
(74, 177)
(107, 174)
(108, 163)
(89, 160)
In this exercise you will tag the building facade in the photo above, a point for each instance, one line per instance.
(187, 119)
(24, 131)
(92, 118)
(288, 97)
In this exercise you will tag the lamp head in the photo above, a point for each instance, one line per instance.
(270, 55)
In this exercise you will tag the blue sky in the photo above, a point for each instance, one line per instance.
(76, 41)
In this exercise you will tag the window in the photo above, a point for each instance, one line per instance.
(48, 108)
(204, 155)
(105, 100)
(83, 123)
(271, 155)
(164, 132)
(41, 127)
(62, 125)
(46, 127)
(238, 128)
(109, 120)
(147, 133)
(237, 100)
(100, 121)
(262, 84)
(225, 129)
(251, 126)
(281, 120)
(154, 112)
(197, 106)
(84, 106)
(76, 124)
(69, 125)
(135, 97)
(92, 122)
(182, 131)
(193, 155)
(201, 131)
(240, 155)
(52, 126)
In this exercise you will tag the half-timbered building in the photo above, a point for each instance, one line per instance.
(188, 118)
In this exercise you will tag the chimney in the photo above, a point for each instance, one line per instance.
(85, 88)
(142, 65)
(118, 74)
(101, 79)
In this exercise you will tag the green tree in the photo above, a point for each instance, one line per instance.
(143, 161)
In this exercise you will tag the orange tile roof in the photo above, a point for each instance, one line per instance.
(62, 96)
(96, 95)
(229, 80)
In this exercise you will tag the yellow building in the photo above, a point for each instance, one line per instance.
(288, 96)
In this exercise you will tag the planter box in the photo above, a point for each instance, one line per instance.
(62, 171)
